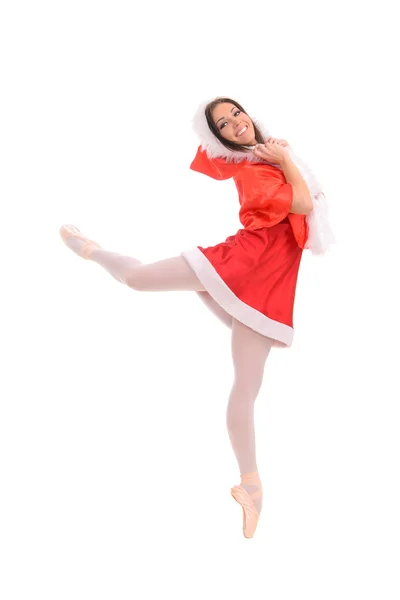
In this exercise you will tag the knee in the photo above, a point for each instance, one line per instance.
(132, 279)
(247, 389)
(240, 406)
(240, 412)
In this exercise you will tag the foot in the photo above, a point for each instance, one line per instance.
(249, 495)
(77, 242)
(250, 489)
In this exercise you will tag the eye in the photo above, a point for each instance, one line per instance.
(236, 113)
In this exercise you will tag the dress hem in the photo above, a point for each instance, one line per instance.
(214, 284)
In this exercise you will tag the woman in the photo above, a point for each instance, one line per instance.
(249, 280)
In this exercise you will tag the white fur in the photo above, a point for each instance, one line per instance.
(320, 233)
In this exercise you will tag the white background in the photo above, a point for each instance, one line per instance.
(115, 462)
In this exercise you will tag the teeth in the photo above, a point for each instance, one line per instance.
(242, 130)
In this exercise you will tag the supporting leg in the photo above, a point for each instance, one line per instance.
(250, 350)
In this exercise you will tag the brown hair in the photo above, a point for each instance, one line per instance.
(214, 129)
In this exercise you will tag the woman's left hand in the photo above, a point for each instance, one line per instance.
(282, 143)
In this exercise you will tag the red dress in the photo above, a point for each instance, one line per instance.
(252, 275)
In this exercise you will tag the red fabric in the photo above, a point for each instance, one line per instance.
(265, 197)
(217, 168)
(261, 268)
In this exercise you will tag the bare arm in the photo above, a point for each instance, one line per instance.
(302, 203)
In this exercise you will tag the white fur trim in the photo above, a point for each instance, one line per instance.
(320, 233)
(214, 284)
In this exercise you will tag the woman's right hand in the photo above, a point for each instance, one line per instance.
(270, 152)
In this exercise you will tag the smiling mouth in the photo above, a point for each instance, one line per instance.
(241, 132)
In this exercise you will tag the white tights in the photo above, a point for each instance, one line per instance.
(249, 348)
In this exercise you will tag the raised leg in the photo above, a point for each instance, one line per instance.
(216, 309)
(249, 352)
(170, 274)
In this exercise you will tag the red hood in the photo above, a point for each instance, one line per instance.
(217, 168)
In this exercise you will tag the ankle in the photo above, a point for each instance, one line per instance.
(251, 478)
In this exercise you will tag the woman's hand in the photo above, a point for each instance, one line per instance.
(282, 143)
(271, 152)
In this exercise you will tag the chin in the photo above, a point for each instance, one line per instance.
(245, 142)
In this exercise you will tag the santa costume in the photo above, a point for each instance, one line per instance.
(252, 275)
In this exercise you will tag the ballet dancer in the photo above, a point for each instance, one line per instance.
(249, 280)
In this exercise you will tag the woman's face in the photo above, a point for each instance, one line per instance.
(233, 124)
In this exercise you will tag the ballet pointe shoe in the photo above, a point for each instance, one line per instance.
(245, 499)
(86, 250)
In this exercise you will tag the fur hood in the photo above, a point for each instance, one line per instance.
(214, 148)
(320, 235)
